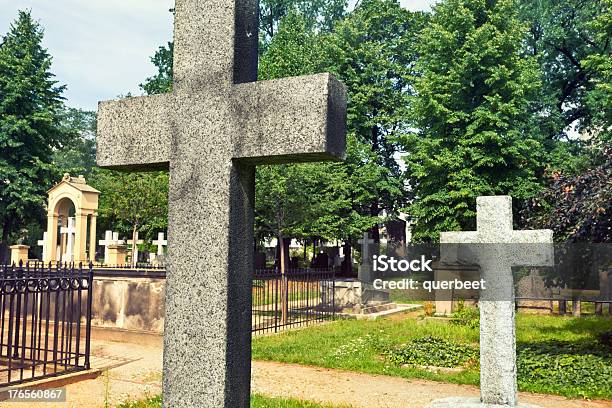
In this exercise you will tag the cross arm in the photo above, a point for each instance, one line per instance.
(297, 119)
(135, 133)
(531, 248)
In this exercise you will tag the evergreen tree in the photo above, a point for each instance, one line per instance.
(474, 114)
(30, 124)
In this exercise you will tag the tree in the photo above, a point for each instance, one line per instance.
(78, 155)
(473, 113)
(162, 81)
(564, 36)
(576, 208)
(317, 15)
(132, 202)
(372, 51)
(30, 124)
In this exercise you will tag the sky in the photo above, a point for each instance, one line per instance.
(101, 48)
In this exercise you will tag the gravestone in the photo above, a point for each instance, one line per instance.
(495, 247)
(41, 243)
(160, 242)
(69, 231)
(106, 242)
(134, 248)
(211, 131)
(532, 288)
(364, 272)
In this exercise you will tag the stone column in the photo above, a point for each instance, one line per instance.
(19, 253)
(80, 239)
(92, 238)
(444, 298)
(51, 239)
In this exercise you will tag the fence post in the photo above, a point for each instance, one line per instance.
(88, 314)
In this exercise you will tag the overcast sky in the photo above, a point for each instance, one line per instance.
(101, 48)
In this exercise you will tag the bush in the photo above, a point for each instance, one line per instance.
(432, 351)
(466, 316)
(573, 369)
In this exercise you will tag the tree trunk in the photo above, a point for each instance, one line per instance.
(134, 246)
(4, 244)
(347, 266)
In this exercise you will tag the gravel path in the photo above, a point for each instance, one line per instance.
(374, 391)
(141, 377)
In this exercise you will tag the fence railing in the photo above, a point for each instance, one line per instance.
(45, 321)
(298, 297)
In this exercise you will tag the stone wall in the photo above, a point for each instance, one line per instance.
(129, 303)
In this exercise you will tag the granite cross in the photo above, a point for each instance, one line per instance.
(211, 131)
(496, 247)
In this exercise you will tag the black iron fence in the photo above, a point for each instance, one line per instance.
(296, 298)
(45, 321)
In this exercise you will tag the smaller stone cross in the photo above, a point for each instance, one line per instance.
(134, 243)
(496, 247)
(41, 243)
(106, 242)
(70, 231)
(116, 239)
(365, 269)
(365, 242)
(161, 243)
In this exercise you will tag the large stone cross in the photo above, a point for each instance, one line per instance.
(496, 247)
(216, 125)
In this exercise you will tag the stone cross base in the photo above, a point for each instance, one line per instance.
(471, 402)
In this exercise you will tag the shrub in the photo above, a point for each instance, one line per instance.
(466, 316)
(432, 351)
(573, 369)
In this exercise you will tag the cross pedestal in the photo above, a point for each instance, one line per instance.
(210, 132)
(496, 247)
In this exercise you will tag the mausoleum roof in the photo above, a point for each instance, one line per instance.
(76, 182)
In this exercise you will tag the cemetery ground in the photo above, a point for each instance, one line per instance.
(405, 360)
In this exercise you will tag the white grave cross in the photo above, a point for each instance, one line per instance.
(41, 243)
(106, 242)
(134, 243)
(70, 231)
(161, 243)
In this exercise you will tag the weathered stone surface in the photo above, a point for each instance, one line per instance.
(210, 132)
(495, 247)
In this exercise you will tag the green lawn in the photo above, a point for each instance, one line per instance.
(565, 343)
(257, 401)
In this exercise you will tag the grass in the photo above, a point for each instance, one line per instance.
(356, 345)
(257, 401)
